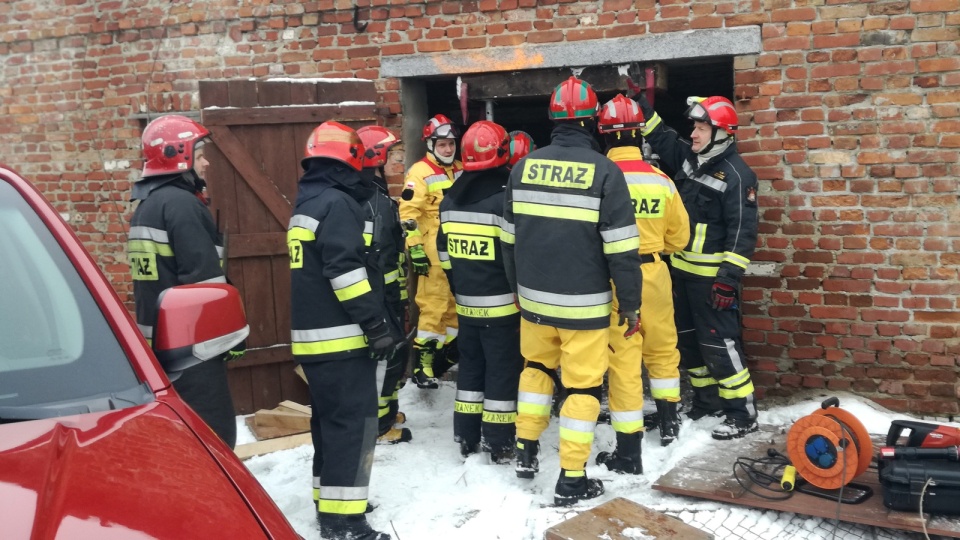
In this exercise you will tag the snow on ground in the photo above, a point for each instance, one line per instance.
(425, 490)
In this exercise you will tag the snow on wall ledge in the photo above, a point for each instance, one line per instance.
(666, 46)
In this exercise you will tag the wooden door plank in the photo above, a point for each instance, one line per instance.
(291, 114)
(258, 245)
(264, 356)
(259, 301)
(267, 390)
(278, 205)
(214, 94)
(241, 390)
(346, 90)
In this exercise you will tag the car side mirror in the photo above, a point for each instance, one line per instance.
(196, 323)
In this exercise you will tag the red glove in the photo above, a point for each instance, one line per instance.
(634, 87)
(722, 296)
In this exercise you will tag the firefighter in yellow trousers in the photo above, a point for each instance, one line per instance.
(423, 190)
(568, 229)
(664, 228)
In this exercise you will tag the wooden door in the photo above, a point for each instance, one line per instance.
(259, 130)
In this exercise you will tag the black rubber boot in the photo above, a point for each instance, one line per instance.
(574, 486)
(668, 420)
(423, 374)
(734, 429)
(467, 448)
(348, 527)
(499, 454)
(447, 356)
(526, 453)
(395, 435)
(626, 458)
(696, 413)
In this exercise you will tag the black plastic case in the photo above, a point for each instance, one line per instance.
(903, 482)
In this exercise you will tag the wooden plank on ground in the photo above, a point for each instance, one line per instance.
(621, 519)
(709, 476)
(262, 433)
(260, 448)
(281, 418)
(305, 409)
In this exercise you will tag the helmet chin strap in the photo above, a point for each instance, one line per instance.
(445, 160)
(716, 145)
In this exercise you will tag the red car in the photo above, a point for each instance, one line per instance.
(94, 441)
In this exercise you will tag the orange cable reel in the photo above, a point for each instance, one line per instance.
(829, 447)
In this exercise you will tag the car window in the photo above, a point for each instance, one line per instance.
(56, 347)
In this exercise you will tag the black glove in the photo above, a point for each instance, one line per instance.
(381, 342)
(632, 319)
(722, 296)
(419, 261)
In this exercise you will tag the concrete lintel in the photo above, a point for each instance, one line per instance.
(646, 48)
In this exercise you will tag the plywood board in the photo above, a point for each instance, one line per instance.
(294, 406)
(709, 476)
(283, 419)
(621, 519)
(262, 433)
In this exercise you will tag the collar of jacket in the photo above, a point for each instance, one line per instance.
(711, 163)
(571, 134)
(625, 153)
(324, 173)
(143, 188)
(473, 186)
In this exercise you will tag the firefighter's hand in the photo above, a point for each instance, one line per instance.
(722, 296)
(380, 341)
(419, 261)
(237, 351)
(632, 320)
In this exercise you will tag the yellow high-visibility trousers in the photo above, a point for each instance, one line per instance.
(438, 309)
(655, 347)
(659, 329)
(582, 358)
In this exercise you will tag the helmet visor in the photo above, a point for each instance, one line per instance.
(445, 131)
(698, 112)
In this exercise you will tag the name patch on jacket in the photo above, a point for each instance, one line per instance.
(644, 208)
(464, 246)
(296, 253)
(547, 172)
(143, 266)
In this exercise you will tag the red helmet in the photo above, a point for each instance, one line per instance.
(439, 127)
(521, 144)
(715, 110)
(620, 114)
(169, 143)
(335, 141)
(377, 140)
(486, 145)
(573, 99)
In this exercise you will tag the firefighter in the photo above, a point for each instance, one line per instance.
(719, 192)
(339, 328)
(568, 229)
(521, 144)
(381, 211)
(664, 228)
(174, 241)
(425, 184)
(469, 248)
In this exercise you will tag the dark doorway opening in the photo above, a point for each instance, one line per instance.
(712, 76)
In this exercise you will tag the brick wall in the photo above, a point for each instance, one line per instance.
(851, 115)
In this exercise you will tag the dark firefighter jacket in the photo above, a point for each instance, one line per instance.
(468, 246)
(336, 288)
(386, 241)
(173, 241)
(568, 229)
(721, 198)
